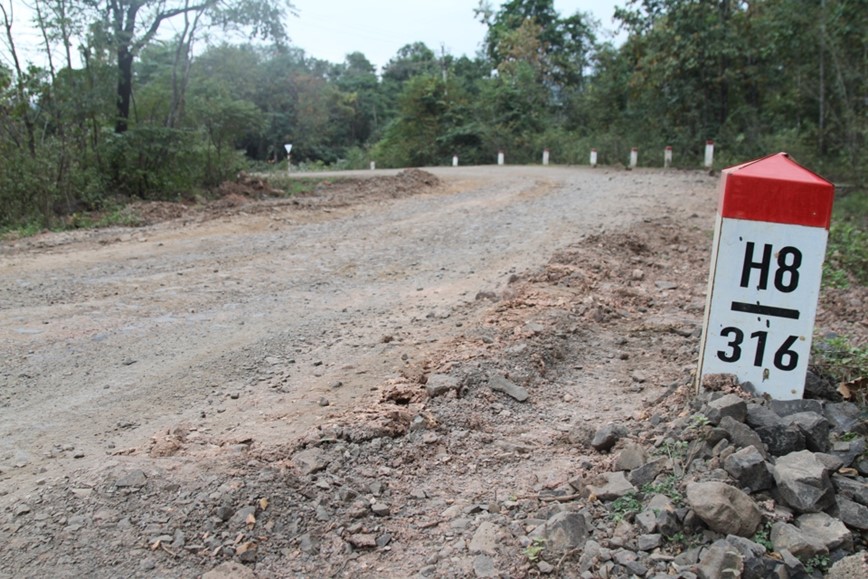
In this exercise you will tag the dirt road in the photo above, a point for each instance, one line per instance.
(113, 336)
(258, 323)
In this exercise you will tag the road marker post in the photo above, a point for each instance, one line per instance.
(373, 165)
(766, 264)
(709, 154)
(545, 156)
(500, 157)
(454, 160)
(634, 157)
(593, 158)
(667, 157)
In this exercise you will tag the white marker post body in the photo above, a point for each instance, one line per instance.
(634, 157)
(288, 148)
(373, 165)
(593, 157)
(500, 157)
(766, 264)
(667, 157)
(454, 160)
(545, 156)
(709, 154)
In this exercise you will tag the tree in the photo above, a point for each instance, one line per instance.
(132, 24)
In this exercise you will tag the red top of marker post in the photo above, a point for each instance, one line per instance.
(776, 189)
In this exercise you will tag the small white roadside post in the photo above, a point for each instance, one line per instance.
(454, 160)
(288, 148)
(545, 156)
(709, 154)
(766, 263)
(373, 165)
(500, 157)
(593, 158)
(667, 157)
(634, 157)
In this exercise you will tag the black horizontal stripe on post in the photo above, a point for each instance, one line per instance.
(765, 310)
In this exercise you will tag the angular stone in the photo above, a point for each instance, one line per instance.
(563, 532)
(485, 539)
(756, 564)
(852, 567)
(439, 384)
(647, 520)
(134, 478)
(849, 450)
(782, 439)
(649, 542)
(845, 417)
(310, 461)
(632, 456)
(855, 489)
(742, 435)
(607, 436)
(721, 561)
(830, 531)
(363, 540)
(803, 482)
(500, 384)
(724, 508)
(380, 509)
(591, 556)
(749, 469)
(483, 566)
(308, 543)
(666, 515)
(793, 566)
(611, 486)
(814, 426)
(830, 461)
(759, 415)
(649, 471)
(229, 570)
(731, 405)
(786, 407)
(785, 536)
(852, 513)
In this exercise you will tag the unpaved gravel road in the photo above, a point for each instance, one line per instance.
(110, 337)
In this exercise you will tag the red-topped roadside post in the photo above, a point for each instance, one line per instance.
(766, 264)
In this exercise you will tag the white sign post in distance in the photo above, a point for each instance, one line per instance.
(766, 265)
(288, 148)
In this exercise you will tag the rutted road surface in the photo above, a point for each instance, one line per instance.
(256, 324)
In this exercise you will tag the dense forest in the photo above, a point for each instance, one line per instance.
(116, 112)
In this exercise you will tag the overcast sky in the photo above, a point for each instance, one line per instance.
(331, 29)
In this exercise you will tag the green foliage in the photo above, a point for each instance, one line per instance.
(847, 250)
(668, 487)
(674, 449)
(623, 507)
(293, 186)
(763, 537)
(819, 563)
(838, 357)
(154, 163)
(536, 547)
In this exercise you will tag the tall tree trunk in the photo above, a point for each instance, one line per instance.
(125, 88)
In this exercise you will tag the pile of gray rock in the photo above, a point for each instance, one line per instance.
(749, 487)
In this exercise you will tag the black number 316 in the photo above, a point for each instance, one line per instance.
(785, 358)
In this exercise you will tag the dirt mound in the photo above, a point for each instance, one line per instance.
(342, 192)
(150, 212)
(247, 186)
